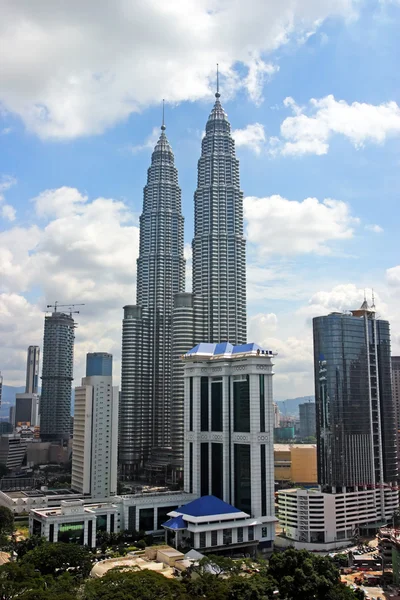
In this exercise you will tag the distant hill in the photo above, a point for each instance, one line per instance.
(291, 405)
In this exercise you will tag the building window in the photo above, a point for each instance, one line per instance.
(191, 467)
(216, 406)
(191, 404)
(251, 533)
(90, 533)
(162, 515)
(112, 523)
(204, 404)
(51, 533)
(146, 519)
(263, 481)
(240, 534)
(203, 539)
(262, 403)
(242, 481)
(216, 470)
(214, 538)
(204, 470)
(241, 405)
(264, 532)
(227, 536)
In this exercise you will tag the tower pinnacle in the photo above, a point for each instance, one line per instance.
(163, 128)
(217, 95)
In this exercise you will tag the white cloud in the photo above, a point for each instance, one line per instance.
(393, 276)
(149, 142)
(252, 137)
(8, 212)
(76, 68)
(374, 228)
(85, 252)
(280, 226)
(359, 122)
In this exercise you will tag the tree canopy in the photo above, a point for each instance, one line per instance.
(6, 521)
(58, 558)
(136, 585)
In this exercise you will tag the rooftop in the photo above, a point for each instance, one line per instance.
(227, 350)
(206, 506)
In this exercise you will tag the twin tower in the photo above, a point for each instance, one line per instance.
(166, 322)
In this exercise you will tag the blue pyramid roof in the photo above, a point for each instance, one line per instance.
(246, 348)
(175, 523)
(202, 348)
(207, 506)
(223, 348)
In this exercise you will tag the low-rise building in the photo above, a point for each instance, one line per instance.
(296, 463)
(316, 520)
(211, 525)
(12, 451)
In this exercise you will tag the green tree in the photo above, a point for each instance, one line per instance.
(256, 587)
(24, 546)
(342, 592)
(205, 585)
(303, 575)
(218, 566)
(6, 521)
(136, 585)
(58, 558)
(17, 579)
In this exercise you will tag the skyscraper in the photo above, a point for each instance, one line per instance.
(356, 435)
(356, 430)
(307, 419)
(219, 248)
(95, 439)
(216, 310)
(146, 376)
(57, 375)
(396, 393)
(32, 370)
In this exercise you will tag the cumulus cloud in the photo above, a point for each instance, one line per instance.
(286, 227)
(7, 211)
(76, 68)
(393, 276)
(252, 137)
(374, 228)
(149, 142)
(311, 128)
(85, 252)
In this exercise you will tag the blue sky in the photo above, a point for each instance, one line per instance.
(312, 93)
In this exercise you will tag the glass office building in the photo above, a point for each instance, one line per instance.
(354, 407)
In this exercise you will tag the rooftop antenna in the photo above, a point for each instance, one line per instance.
(365, 297)
(217, 95)
(373, 298)
(163, 128)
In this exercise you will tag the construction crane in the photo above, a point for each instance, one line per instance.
(70, 307)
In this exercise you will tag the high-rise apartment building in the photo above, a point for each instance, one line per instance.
(95, 437)
(32, 370)
(396, 393)
(146, 375)
(57, 375)
(216, 310)
(229, 423)
(308, 424)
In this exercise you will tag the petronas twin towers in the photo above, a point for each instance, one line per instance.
(167, 321)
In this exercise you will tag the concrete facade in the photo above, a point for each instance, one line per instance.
(229, 422)
(315, 520)
(95, 439)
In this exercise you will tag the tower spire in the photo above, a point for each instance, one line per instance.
(217, 95)
(163, 128)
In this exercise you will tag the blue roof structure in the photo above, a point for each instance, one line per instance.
(224, 348)
(207, 506)
(175, 523)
